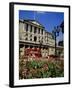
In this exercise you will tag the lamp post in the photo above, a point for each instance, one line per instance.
(55, 34)
(40, 45)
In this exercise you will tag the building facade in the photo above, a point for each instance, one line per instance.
(34, 40)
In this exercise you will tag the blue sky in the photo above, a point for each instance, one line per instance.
(48, 19)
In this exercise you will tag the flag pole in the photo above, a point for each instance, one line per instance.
(34, 15)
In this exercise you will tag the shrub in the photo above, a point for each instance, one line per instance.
(41, 69)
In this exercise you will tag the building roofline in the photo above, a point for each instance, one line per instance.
(28, 20)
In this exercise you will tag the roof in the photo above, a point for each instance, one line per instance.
(32, 21)
(36, 23)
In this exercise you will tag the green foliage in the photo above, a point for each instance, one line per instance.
(41, 69)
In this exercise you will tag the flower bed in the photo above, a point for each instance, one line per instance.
(40, 69)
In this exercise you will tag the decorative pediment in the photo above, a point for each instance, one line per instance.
(35, 22)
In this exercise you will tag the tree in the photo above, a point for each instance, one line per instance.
(62, 26)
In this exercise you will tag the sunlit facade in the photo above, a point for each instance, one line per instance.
(34, 40)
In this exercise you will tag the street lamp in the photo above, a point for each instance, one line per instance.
(40, 45)
(55, 34)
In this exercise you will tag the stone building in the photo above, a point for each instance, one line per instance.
(34, 40)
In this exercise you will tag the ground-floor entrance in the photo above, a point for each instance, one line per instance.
(34, 50)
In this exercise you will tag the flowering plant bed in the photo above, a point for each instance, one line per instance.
(41, 69)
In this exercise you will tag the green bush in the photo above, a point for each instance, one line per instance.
(41, 69)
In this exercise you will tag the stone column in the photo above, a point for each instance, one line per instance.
(28, 28)
(22, 51)
(24, 27)
(33, 37)
(43, 32)
(37, 36)
(32, 29)
(28, 37)
(40, 31)
(38, 39)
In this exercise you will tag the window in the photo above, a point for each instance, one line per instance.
(39, 39)
(26, 27)
(35, 38)
(45, 37)
(31, 28)
(42, 31)
(26, 46)
(30, 37)
(39, 31)
(26, 38)
(35, 29)
(26, 34)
